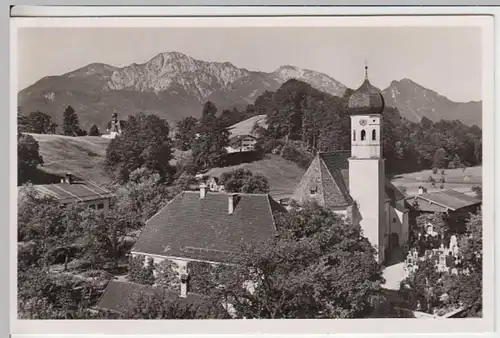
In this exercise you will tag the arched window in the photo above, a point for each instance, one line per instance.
(374, 135)
(363, 135)
(354, 135)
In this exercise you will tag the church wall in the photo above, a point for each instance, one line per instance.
(403, 218)
(366, 186)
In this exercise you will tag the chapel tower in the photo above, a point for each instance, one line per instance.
(366, 164)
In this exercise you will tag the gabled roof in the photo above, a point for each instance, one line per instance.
(442, 200)
(117, 295)
(332, 172)
(202, 229)
(74, 192)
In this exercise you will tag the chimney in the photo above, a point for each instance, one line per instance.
(203, 190)
(184, 285)
(231, 203)
(69, 178)
(420, 190)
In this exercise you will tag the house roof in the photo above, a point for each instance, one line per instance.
(117, 295)
(333, 172)
(202, 229)
(74, 192)
(443, 200)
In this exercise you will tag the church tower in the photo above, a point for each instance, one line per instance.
(366, 164)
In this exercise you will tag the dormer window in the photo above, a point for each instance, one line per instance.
(313, 191)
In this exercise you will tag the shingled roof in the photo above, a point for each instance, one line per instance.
(329, 175)
(117, 295)
(443, 200)
(73, 192)
(202, 228)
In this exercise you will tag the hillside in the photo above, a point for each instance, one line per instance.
(245, 127)
(415, 101)
(283, 175)
(81, 156)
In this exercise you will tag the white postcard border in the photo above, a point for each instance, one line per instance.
(295, 326)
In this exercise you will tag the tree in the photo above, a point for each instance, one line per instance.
(104, 237)
(185, 133)
(319, 266)
(141, 197)
(185, 181)
(71, 124)
(44, 295)
(28, 157)
(466, 288)
(423, 288)
(94, 131)
(143, 143)
(209, 147)
(36, 122)
(243, 180)
(139, 272)
(167, 275)
(160, 305)
(440, 158)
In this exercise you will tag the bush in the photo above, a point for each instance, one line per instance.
(140, 273)
(97, 274)
(292, 153)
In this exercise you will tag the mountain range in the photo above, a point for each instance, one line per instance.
(174, 85)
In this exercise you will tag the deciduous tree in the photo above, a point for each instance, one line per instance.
(243, 180)
(185, 133)
(28, 157)
(319, 266)
(143, 143)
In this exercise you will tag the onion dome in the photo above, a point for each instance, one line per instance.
(366, 100)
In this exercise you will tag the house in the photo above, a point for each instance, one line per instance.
(118, 294)
(447, 201)
(71, 191)
(203, 226)
(241, 143)
(353, 183)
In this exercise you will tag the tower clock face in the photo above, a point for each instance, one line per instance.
(362, 122)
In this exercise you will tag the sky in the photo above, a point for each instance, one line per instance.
(444, 59)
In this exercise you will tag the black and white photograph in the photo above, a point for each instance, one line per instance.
(233, 172)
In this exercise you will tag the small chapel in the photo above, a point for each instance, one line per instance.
(353, 183)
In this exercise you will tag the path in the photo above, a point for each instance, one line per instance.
(393, 275)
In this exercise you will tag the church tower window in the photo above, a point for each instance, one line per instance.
(374, 135)
(363, 135)
(354, 135)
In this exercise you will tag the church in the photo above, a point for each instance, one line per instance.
(353, 183)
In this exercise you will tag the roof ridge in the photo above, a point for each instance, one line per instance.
(226, 193)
